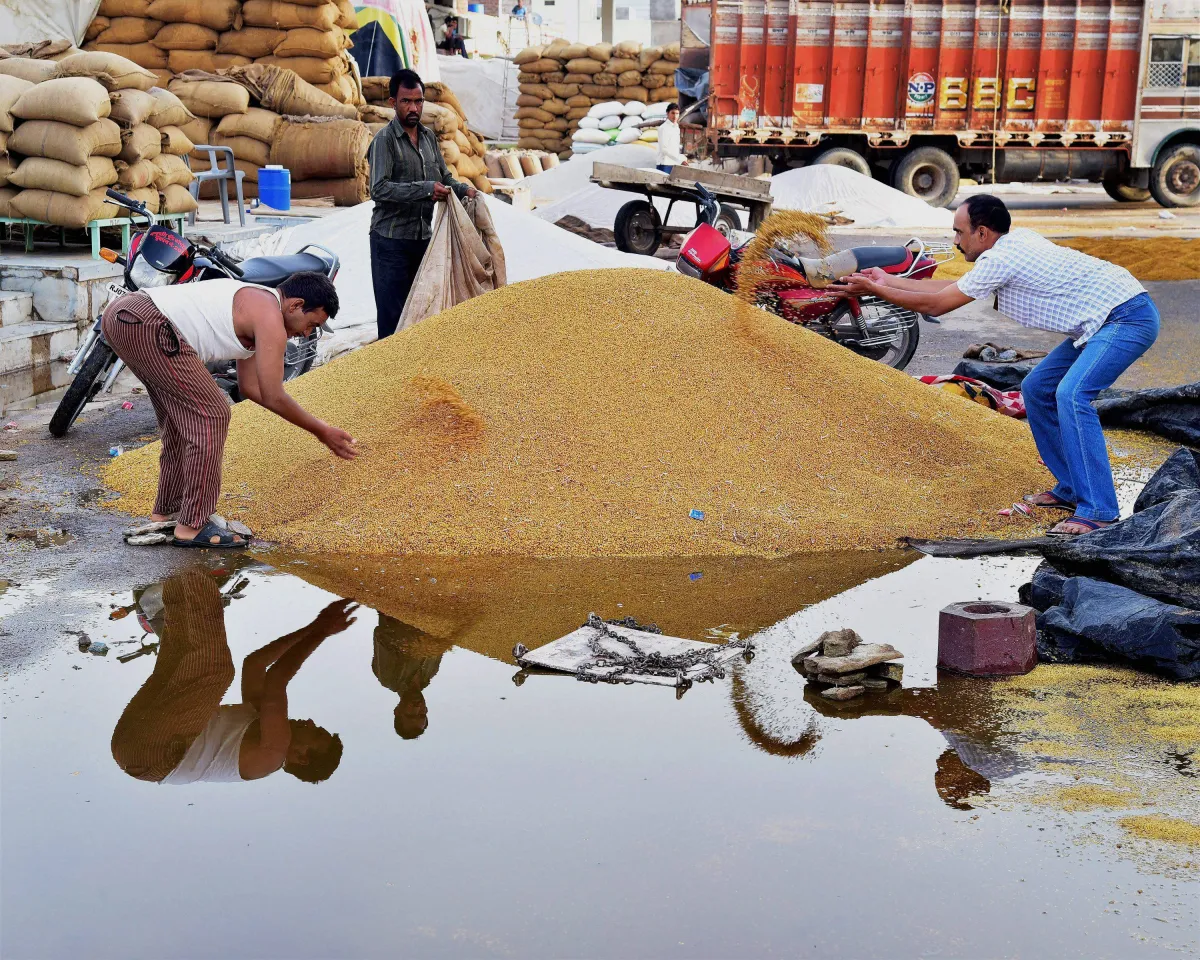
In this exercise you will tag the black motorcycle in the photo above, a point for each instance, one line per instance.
(160, 257)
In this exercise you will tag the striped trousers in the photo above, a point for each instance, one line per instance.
(193, 670)
(192, 411)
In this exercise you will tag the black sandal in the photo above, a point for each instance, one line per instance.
(213, 537)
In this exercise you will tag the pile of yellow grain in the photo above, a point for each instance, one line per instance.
(587, 413)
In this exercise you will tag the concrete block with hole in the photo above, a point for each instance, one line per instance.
(987, 638)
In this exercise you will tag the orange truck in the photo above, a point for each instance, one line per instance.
(920, 93)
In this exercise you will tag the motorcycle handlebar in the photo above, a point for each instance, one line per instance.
(129, 203)
(227, 262)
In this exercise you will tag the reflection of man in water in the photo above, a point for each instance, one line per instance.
(176, 730)
(405, 660)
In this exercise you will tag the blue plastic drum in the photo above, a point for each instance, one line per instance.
(275, 187)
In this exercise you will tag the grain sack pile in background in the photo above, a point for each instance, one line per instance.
(615, 122)
(175, 36)
(783, 440)
(560, 82)
(462, 148)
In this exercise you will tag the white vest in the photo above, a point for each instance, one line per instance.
(202, 313)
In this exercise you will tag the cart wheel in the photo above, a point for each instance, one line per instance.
(727, 221)
(638, 228)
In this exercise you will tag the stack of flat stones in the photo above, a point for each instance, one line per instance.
(843, 667)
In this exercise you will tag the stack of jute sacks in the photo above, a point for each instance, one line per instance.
(560, 82)
(268, 116)
(518, 164)
(173, 36)
(99, 121)
(462, 148)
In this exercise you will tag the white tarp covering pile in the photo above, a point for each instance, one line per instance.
(532, 249)
(479, 85)
(827, 188)
(28, 21)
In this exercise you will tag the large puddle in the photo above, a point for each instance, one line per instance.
(466, 808)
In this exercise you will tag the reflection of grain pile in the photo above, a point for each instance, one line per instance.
(1148, 258)
(560, 81)
(612, 403)
(462, 148)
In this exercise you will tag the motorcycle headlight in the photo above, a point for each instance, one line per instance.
(143, 275)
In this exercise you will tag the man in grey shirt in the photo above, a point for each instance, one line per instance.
(408, 176)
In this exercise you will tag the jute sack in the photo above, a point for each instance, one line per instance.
(376, 89)
(640, 94)
(671, 51)
(125, 8)
(630, 78)
(244, 148)
(113, 71)
(564, 90)
(321, 150)
(169, 110)
(584, 65)
(373, 114)
(128, 30)
(135, 176)
(97, 27)
(131, 107)
(174, 198)
(596, 92)
(198, 129)
(463, 144)
(556, 49)
(533, 113)
(163, 77)
(185, 36)
(601, 51)
(530, 123)
(555, 107)
(464, 259)
(619, 65)
(648, 55)
(11, 89)
(284, 92)
(146, 195)
(215, 14)
(66, 142)
(288, 16)
(652, 81)
(7, 168)
(205, 61)
(450, 152)
(7, 195)
(256, 122)
(145, 55)
(627, 49)
(528, 55)
(578, 78)
(347, 15)
(580, 100)
(75, 100)
(664, 95)
(307, 42)
(539, 90)
(142, 142)
(342, 89)
(171, 170)
(38, 173)
(525, 100)
(32, 71)
(542, 66)
(444, 121)
(529, 143)
(309, 69)
(440, 93)
(210, 96)
(663, 68)
(604, 80)
(175, 141)
(574, 51)
(64, 210)
(250, 41)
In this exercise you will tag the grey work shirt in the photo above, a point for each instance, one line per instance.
(402, 179)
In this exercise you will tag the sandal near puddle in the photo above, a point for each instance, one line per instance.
(1089, 526)
(213, 537)
(1052, 501)
(158, 532)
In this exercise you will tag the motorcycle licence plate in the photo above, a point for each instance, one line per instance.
(117, 290)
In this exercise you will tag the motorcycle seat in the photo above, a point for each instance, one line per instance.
(881, 257)
(272, 271)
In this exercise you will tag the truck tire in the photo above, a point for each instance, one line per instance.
(845, 157)
(1175, 177)
(1116, 187)
(638, 228)
(928, 173)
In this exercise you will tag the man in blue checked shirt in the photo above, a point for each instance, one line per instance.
(1107, 316)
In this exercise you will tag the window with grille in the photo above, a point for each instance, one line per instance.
(1174, 62)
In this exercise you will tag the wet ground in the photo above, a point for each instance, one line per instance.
(475, 810)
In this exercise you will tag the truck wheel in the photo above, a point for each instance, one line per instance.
(1116, 187)
(638, 228)
(928, 173)
(845, 157)
(1175, 177)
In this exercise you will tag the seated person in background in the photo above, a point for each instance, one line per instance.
(519, 9)
(449, 39)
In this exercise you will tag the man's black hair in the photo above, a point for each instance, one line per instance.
(409, 79)
(988, 211)
(320, 763)
(315, 289)
(672, 106)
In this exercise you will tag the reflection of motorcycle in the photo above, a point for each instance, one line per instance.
(160, 257)
(795, 288)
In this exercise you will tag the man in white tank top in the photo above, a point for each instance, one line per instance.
(166, 335)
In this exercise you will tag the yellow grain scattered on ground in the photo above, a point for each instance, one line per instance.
(1149, 258)
(1168, 829)
(585, 414)
(1085, 796)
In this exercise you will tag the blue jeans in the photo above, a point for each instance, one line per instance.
(1058, 398)
(665, 167)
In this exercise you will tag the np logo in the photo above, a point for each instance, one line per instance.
(921, 88)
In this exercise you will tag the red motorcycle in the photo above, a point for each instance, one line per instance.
(796, 288)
